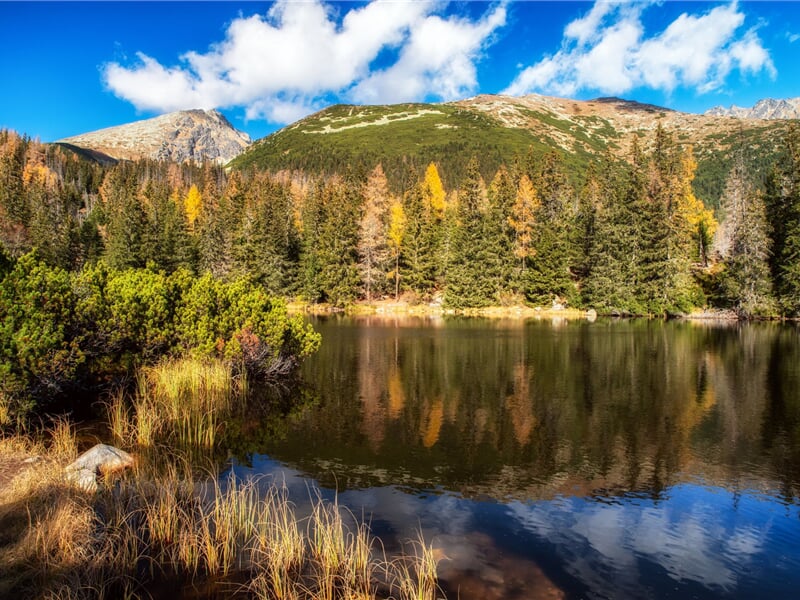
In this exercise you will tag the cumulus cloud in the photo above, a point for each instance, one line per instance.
(608, 50)
(282, 65)
(439, 59)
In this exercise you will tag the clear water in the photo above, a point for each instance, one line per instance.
(615, 459)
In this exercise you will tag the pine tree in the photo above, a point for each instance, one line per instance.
(502, 196)
(14, 208)
(166, 243)
(612, 278)
(417, 257)
(330, 240)
(126, 220)
(746, 252)
(466, 284)
(548, 279)
(784, 208)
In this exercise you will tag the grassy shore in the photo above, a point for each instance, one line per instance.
(402, 308)
(169, 524)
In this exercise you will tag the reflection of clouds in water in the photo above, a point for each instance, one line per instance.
(603, 544)
(622, 548)
(686, 548)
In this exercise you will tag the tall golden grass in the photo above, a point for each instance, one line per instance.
(167, 521)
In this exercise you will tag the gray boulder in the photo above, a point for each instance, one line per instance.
(99, 460)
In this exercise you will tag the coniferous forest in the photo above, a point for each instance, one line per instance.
(99, 261)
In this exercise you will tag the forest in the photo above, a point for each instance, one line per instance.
(101, 262)
(629, 237)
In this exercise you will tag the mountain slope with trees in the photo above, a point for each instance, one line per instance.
(501, 130)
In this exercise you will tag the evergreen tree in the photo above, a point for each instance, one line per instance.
(331, 243)
(784, 216)
(502, 196)
(747, 280)
(549, 278)
(14, 208)
(218, 228)
(266, 246)
(466, 284)
(166, 242)
(435, 226)
(417, 258)
(126, 220)
(611, 280)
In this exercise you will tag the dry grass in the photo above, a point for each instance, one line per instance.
(167, 521)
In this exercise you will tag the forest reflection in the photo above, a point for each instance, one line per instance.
(532, 409)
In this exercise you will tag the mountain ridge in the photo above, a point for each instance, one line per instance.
(499, 130)
(189, 135)
(766, 108)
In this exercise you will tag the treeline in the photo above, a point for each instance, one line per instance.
(630, 238)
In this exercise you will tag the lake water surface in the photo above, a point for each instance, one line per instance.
(615, 459)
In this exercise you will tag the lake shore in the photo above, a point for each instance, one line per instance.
(516, 311)
(403, 308)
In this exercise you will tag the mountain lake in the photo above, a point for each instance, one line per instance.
(557, 459)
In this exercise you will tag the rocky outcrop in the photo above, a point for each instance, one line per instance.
(101, 459)
(763, 109)
(188, 135)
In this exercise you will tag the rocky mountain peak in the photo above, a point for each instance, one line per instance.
(187, 135)
(768, 108)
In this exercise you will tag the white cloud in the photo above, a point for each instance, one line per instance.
(439, 59)
(608, 50)
(282, 65)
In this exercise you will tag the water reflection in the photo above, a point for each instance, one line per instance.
(522, 410)
(613, 459)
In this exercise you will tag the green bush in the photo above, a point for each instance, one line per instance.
(57, 329)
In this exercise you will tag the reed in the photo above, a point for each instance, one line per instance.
(63, 441)
(416, 572)
(182, 402)
(167, 519)
(118, 418)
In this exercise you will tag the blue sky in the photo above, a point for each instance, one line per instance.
(73, 67)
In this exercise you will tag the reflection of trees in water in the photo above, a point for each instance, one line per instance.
(518, 405)
(780, 432)
(613, 406)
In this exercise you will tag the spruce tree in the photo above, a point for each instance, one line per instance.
(746, 251)
(549, 278)
(787, 267)
(467, 286)
(127, 222)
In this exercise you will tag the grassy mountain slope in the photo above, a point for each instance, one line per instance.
(500, 129)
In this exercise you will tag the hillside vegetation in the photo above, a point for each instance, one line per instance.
(498, 130)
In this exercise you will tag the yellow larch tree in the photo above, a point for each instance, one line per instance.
(523, 219)
(192, 204)
(397, 231)
(433, 191)
(692, 212)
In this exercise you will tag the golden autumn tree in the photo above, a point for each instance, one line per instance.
(397, 231)
(372, 234)
(192, 205)
(692, 212)
(523, 219)
(433, 191)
